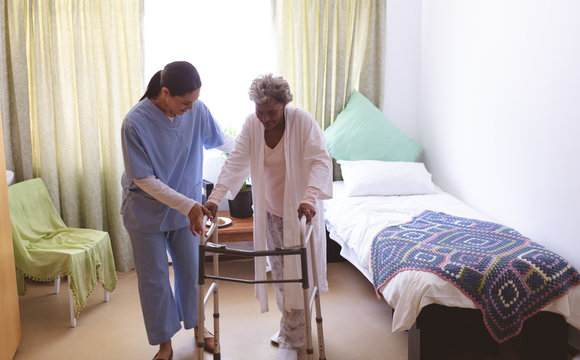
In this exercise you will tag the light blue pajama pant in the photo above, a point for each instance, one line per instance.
(292, 329)
(162, 311)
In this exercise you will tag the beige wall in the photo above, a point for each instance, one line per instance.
(9, 311)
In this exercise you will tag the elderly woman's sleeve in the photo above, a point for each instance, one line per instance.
(237, 167)
(316, 154)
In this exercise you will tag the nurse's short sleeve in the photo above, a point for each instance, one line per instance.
(212, 133)
(137, 163)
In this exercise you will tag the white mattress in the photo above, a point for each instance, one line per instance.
(353, 222)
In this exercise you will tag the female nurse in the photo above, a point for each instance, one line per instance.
(163, 137)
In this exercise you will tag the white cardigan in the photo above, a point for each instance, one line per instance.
(307, 164)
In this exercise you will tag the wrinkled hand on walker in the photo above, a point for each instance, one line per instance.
(307, 210)
(212, 208)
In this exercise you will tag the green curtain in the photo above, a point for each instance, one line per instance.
(69, 72)
(327, 48)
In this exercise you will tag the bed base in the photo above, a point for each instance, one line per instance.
(332, 250)
(441, 332)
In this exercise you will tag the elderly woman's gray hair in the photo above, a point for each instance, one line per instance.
(266, 87)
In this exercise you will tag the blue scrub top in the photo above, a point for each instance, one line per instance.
(172, 152)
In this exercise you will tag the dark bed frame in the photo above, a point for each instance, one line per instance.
(442, 332)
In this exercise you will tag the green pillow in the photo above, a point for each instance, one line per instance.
(362, 132)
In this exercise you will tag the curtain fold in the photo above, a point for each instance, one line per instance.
(70, 72)
(327, 48)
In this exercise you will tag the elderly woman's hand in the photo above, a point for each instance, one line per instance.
(196, 218)
(307, 210)
(213, 208)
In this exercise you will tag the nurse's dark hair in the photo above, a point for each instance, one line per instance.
(267, 87)
(179, 77)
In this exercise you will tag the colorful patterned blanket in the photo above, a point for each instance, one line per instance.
(508, 276)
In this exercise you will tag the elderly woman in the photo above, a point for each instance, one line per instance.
(283, 149)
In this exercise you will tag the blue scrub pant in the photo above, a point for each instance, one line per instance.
(162, 311)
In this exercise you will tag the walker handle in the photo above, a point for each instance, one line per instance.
(208, 234)
(305, 230)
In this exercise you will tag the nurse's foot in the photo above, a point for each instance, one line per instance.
(165, 351)
(208, 341)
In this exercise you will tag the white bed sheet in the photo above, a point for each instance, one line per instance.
(353, 222)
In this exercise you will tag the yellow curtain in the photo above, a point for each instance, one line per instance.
(327, 48)
(71, 70)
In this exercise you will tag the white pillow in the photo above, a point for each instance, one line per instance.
(375, 177)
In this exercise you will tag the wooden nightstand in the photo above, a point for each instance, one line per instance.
(238, 230)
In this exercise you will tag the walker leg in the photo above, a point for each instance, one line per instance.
(216, 313)
(200, 325)
(319, 331)
(200, 305)
(309, 350)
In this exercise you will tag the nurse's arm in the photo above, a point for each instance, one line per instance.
(165, 194)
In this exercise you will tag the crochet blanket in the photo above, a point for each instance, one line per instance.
(509, 277)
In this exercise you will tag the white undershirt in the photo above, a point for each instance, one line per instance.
(275, 172)
(166, 195)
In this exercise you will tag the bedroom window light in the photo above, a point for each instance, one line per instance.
(230, 42)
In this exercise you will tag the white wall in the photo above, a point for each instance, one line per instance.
(499, 116)
(402, 65)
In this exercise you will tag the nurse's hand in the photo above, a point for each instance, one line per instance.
(196, 218)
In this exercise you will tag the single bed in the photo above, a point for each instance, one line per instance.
(419, 297)
(383, 186)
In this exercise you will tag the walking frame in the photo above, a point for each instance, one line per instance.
(215, 248)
